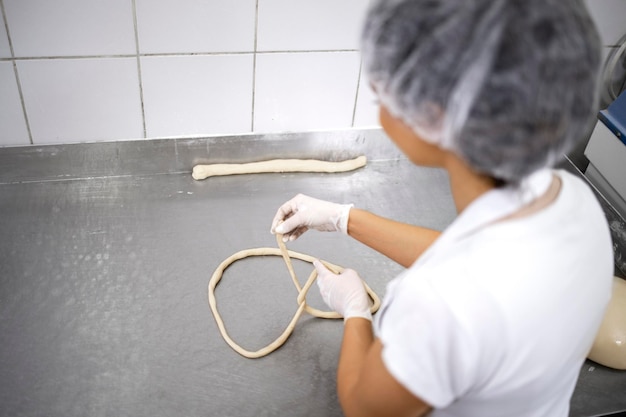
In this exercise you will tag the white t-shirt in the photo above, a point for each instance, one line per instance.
(496, 318)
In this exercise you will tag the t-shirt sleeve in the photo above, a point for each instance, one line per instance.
(427, 346)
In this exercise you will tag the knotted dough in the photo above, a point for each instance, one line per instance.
(301, 298)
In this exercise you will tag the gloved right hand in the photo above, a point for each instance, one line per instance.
(302, 213)
(344, 293)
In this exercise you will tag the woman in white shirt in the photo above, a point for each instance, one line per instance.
(493, 316)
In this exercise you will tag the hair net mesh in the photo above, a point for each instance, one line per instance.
(508, 85)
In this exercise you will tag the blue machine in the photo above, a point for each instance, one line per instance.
(606, 152)
(614, 117)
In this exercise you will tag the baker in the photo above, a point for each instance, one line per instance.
(493, 316)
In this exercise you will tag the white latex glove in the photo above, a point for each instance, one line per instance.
(302, 213)
(343, 293)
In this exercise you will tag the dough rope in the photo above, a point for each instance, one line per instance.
(201, 172)
(301, 298)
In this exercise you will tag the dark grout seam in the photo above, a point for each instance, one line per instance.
(139, 75)
(256, 34)
(356, 96)
(16, 72)
(173, 54)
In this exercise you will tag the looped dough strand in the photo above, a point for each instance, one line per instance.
(301, 299)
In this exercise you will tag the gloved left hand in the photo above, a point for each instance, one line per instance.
(343, 293)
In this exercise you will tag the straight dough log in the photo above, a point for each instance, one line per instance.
(201, 172)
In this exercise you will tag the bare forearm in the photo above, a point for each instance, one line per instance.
(401, 242)
(357, 340)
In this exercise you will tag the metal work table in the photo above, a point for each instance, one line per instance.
(107, 250)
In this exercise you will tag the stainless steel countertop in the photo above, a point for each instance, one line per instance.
(106, 254)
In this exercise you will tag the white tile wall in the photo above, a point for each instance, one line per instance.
(305, 91)
(367, 106)
(13, 127)
(5, 51)
(302, 25)
(175, 26)
(194, 95)
(202, 62)
(610, 18)
(76, 100)
(40, 28)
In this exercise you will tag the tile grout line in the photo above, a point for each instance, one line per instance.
(16, 72)
(356, 96)
(66, 57)
(140, 78)
(173, 54)
(256, 29)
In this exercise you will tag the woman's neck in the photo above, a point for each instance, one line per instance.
(466, 184)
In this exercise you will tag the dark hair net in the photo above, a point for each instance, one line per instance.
(508, 85)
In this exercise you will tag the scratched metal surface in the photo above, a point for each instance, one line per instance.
(103, 275)
(107, 250)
